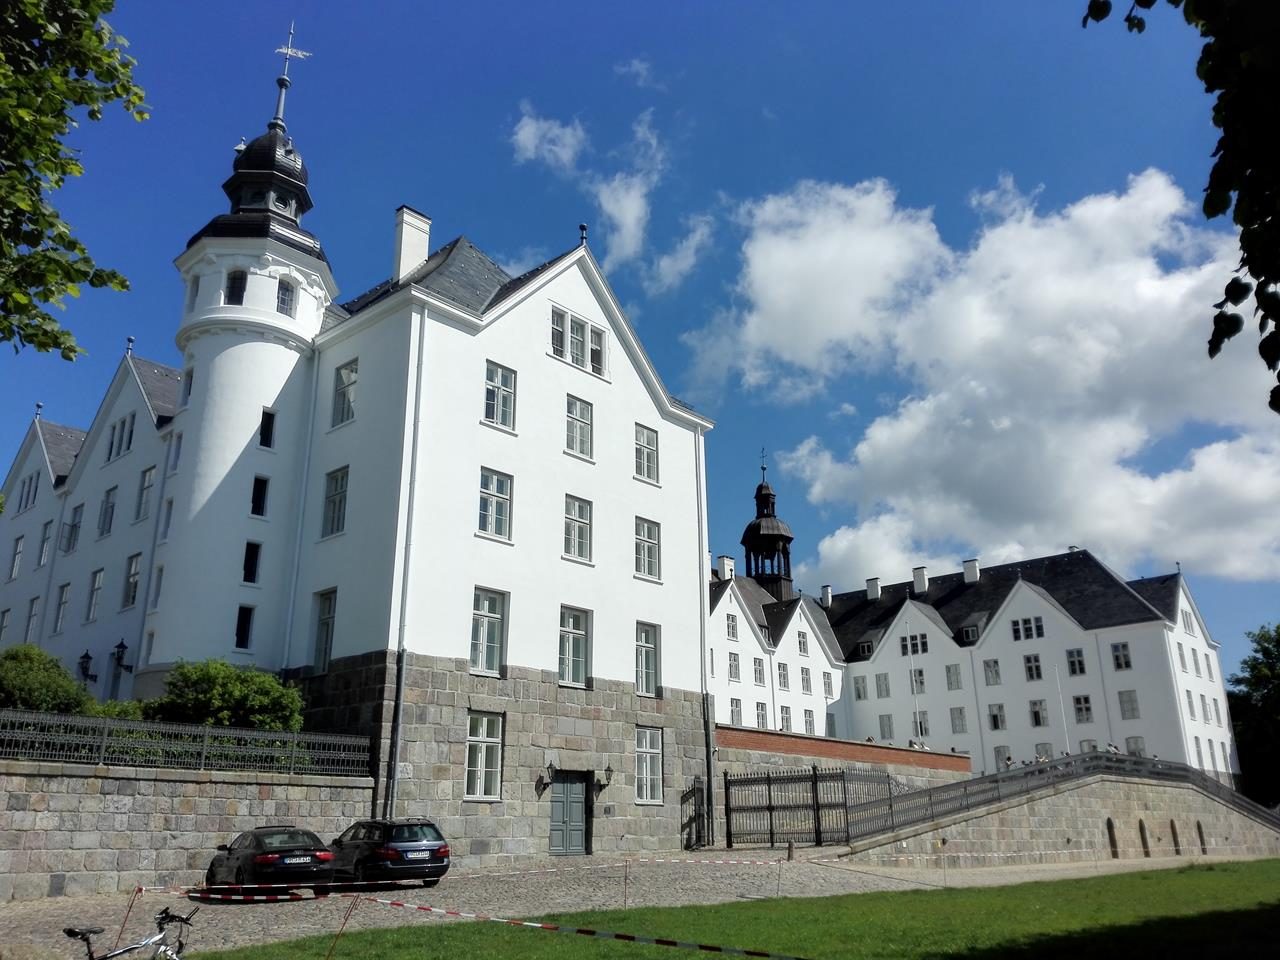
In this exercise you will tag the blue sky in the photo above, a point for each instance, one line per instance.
(943, 261)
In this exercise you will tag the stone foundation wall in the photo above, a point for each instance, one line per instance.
(1069, 823)
(74, 829)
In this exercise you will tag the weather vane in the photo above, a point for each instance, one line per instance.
(290, 51)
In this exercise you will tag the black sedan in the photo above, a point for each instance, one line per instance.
(281, 854)
(391, 850)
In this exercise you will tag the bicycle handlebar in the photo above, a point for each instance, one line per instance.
(166, 917)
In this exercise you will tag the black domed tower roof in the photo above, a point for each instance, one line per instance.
(767, 540)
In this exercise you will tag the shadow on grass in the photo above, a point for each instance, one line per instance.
(1240, 934)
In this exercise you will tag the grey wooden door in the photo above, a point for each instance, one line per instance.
(569, 813)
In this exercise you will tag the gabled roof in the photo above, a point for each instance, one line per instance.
(160, 385)
(1161, 592)
(61, 444)
(819, 617)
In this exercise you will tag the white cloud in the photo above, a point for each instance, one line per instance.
(554, 143)
(640, 72)
(523, 261)
(670, 269)
(1041, 363)
(845, 409)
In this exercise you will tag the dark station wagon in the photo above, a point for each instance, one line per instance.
(391, 850)
(272, 855)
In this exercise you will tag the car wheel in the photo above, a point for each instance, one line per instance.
(430, 881)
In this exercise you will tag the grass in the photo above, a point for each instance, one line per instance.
(1218, 910)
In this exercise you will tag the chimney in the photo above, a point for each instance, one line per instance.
(413, 241)
(726, 568)
(971, 570)
(919, 581)
(826, 595)
(873, 588)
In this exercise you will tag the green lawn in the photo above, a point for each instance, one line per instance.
(1209, 911)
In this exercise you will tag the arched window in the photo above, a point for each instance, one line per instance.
(1111, 839)
(236, 282)
(1142, 835)
(1204, 850)
(1173, 832)
(286, 297)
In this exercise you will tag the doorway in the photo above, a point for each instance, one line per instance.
(570, 814)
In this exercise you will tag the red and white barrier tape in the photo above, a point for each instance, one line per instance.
(242, 897)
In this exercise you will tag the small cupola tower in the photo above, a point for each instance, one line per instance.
(767, 541)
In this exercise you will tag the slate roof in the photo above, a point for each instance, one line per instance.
(62, 444)
(1161, 593)
(161, 384)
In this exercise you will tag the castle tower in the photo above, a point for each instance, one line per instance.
(767, 541)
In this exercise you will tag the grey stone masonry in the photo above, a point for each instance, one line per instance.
(75, 829)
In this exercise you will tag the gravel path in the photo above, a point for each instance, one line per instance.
(30, 929)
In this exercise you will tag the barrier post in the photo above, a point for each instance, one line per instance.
(355, 902)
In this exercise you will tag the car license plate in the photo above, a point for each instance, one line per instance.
(417, 854)
(297, 859)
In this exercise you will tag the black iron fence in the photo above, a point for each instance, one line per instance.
(693, 815)
(839, 806)
(64, 738)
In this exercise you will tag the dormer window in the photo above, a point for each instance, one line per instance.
(286, 297)
(237, 280)
(970, 634)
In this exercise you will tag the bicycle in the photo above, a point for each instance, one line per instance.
(160, 939)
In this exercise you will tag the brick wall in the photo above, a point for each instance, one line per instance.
(75, 829)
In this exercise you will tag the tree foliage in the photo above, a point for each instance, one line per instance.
(1240, 62)
(31, 679)
(1255, 714)
(59, 60)
(215, 693)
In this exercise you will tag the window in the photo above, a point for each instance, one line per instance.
(577, 426)
(27, 491)
(920, 722)
(95, 591)
(646, 659)
(958, 724)
(859, 687)
(1189, 622)
(1084, 709)
(831, 725)
(1182, 657)
(731, 626)
(258, 497)
(886, 726)
(712, 654)
(991, 670)
(917, 680)
(1213, 757)
(142, 509)
(71, 529)
(1088, 746)
(344, 392)
(809, 727)
(648, 548)
(1039, 624)
(499, 395)
(597, 351)
(1195, 660)
(1208, 665)
(484, 756)
(29, 633)
(953, 677)
(1032, 665)
(970, 634)
(1002, 758)
(132, 574)
(806, 681)
(1039, 714)
(120, 439)
(864, 648)
(1137, 746)
(574, 646)
(244, 627)
(60, 610)
(1204, 708)
(335, 502)
(1226, 763)
(326, 620)
(802, 641)
(252, 556)
(1191, 705)
(1129, 705)
(286, 297)
(1044, 751)
(646, 453)
(557, 332)
(1120, 656)
(826, 685)
(267, 430)
(15, 561)
(237, 280)
(882, 686)
(577, 528)
(488, 611)
(1217, 713)
(166, 519)
(1075, 662)
(188, 379)
(46, 540)
(784, 681)
(1017, 629)
(734, 667)
(495, 503)
(757, 665)
(157, 586)
(580, 334)
(648, 765)
(4, 625)
(762, 716)
(107, 512)
(917, 644)
(786, 719)
(996, 717)
(735, 710)
(175, 452)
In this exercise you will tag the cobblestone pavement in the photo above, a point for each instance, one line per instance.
(34, 928)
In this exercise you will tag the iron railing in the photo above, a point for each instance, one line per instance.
(807, 806)
(693, 816)
(65, 738)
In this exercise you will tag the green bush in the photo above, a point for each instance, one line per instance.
(117, 709)
(31, 679)
(215, 693)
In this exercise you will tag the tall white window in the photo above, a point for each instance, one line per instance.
(1204, 708)
(577, 528)
(762, 715)
(1208, 665)
(646, 453)
(1039, 713)
(33, 609)
(648, 765)
(648, 548)
(784, 680)
(886, 726)
(15, 560)
(27, 491)
(95, 591)
(757, 666)
(920, 722)
(735, 672)
(107, 512)
(344, 391)
(882, 686)
(1084, 708)
(488, 614)
(577, 342)
(1031, 664)
(132, 575)
(996, 717)
(499, 395)
(244, 627)
(258, 496)
(1217, 712)
(1120, 656)
(917, 680)
(326, 620)
(802, 643)
(958, 724)
(786, 718)
(267, 430)
(46, 542)
(495, 503)
(1188, 622)
(558, 322)
(157, 586)
(237, 280)
(175, 452)
(286, 297)
(646, 659)
(859, 688)
(71, 529)
(577, 426)
(484, 756)
(1195, 660)
(806, 681)
(60, 611)
(735, 709)
(731, 626)
(1182, 657)
(953, 676)
(1129, 705)
(166, 520)
(575, 648)
(1191, 705)
(4, 630)
(120, 439)
(991, 671)
(188, 381)
(809, 727)
(826, 685)
(335, 502)
(1075, 662)
(142, 509)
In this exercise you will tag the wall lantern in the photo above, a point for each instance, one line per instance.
(121, 649)
(86, 664)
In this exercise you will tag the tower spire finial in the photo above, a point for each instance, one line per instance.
(39, 408)
(763, 465)
(282, 81)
